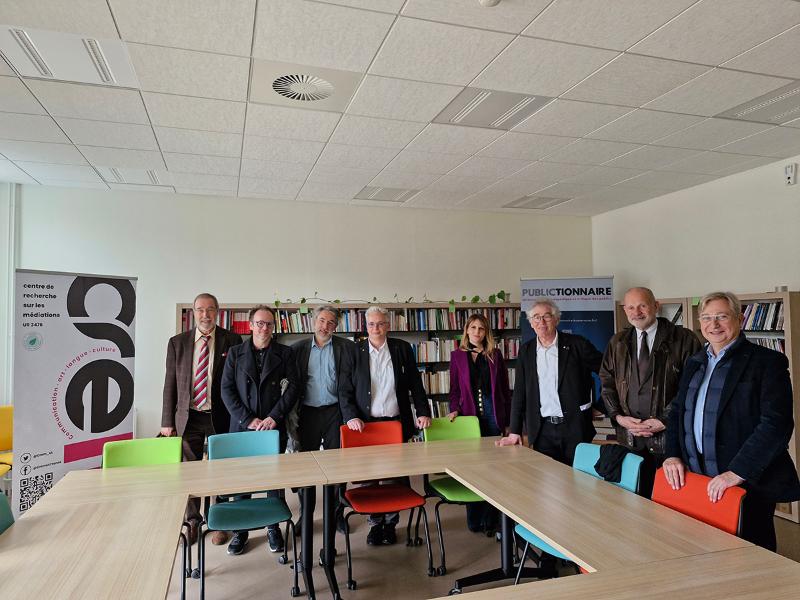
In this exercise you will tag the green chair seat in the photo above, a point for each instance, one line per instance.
(251, 513)
(452, 490)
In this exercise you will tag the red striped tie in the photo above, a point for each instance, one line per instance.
(201, 375)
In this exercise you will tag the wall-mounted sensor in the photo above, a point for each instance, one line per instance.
(790, 174)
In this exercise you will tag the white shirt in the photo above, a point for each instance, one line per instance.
(547, 371)
(196, 355)
(651, 337)
(381, 374)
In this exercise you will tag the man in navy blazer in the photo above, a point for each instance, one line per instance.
(553, 387)
(732, 420)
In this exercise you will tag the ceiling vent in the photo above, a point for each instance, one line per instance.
(538, 203)
(301, 86)
(382, 194)
(41, 54)
(489, 108)
(131, 176)
(777, 107)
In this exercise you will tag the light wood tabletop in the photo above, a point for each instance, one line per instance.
(751, 572)
(595, 523)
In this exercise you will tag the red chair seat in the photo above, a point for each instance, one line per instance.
(383, 498)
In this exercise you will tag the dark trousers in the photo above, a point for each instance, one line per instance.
(553, 443)
(647, 474)
(758, 525)
(281, 493)
(319, 426)
(198, 427)
(482, 516)
(388, 519)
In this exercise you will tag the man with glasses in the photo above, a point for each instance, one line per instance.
(192, 406)
(259, 387)
(641, 368)
(732, 420)
(553, 387)
(387, 382)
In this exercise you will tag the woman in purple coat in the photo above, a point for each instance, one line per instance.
(479, 387)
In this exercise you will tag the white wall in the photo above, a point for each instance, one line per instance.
(249, 250)
(740, 233)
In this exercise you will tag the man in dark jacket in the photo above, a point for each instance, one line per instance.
(641, 368)
(732, 420)
(387, 382)
(259, 387)
(553, 387)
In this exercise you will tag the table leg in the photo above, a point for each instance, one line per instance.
(308, 498)
(329, 537)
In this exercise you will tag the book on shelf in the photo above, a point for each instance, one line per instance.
(762, 316)
(773, 343)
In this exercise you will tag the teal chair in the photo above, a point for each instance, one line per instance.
(246, 514)
(586, 456)
(6, 516)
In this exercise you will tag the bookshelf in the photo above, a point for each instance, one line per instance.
(433, 329)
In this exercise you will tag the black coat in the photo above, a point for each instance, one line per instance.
(248, 394)
(577, 360)
(754, 422)
(407, 381)
(344, 358)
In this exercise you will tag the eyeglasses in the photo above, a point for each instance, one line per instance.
(376, 325)
(545, 317)
(264, 324)
(720, 318)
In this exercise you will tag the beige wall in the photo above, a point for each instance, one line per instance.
(739, 233)
(249, 250)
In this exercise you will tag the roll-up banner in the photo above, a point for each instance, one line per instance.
(73, 375)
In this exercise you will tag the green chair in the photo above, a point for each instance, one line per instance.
(246, 514)
(6, 516)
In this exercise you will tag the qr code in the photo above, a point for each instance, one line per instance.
(32, 488)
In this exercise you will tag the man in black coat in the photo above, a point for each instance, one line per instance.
(259, 388)
(553, 387)
(732, 420)
(387, 381)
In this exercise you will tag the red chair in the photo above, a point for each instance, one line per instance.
(375, 498)
(692, 500)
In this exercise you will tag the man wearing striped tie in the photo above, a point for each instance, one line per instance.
(193, 407)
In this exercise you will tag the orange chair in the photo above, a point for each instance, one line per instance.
(376, 498)
(692, 500)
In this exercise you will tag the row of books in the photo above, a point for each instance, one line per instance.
(773, 343)
(440, 349)
(438, 382)
(763, 316)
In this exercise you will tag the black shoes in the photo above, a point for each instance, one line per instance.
(389, 535)
(275, 539)
(238, 543)
(375, 536)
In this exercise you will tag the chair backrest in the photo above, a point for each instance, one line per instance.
(6, 428)
(586, 456)
(459, 429)
(244, 443)
(374, 434)
(143, 451)
(692, 500)
(6, 516)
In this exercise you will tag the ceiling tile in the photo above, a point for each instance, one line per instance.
(603, 201)
(751, 164)
(778, 142)
(5, 69)
(633, 80)
(777, 57)
(84, 185)
(667, 181)
(113, 135)
(60, 154)
(195, 113)
(541, 67)
(453, 139)
(33, 128)
(11, 173)
(500, 193)
(262, 169)
(389, 6)
(356, 157)
(190, 141)
(200, 181)
(528, 146)
(512, 17)
(575, 119)
(590, 152)
(400, 99)
(207, 25)
(201, 192)
(651, 157)
(310, 33)
(85, 17)
(603, 175)
(295, 151)
(567, 190)
(407, 181)
(713, 31)
(450, 183)
(90, 101)
(118, 157)
(544, 174)
(322, 192)
(268, 188)
(794, 123)
(138, 187)
(132, 175)
(193, 163)
(716, 91)
(290, 123)
(190, 73)
(436, 52)
(409, 161)
(612, 24)
(15, 97)
(48, 172)
(488, 167)
(707, 162)
(381, 133)
(644, 126)
(436, 199)
(711, 133)
(341, 175)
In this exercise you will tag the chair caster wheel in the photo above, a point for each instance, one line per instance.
(351, 585)
(454, 591)
(294, 592)
(195, 573)
(441, 570)
(282, 560)
(431, 572)
(418, 542)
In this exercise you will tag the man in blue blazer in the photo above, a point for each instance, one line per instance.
(732, 420)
